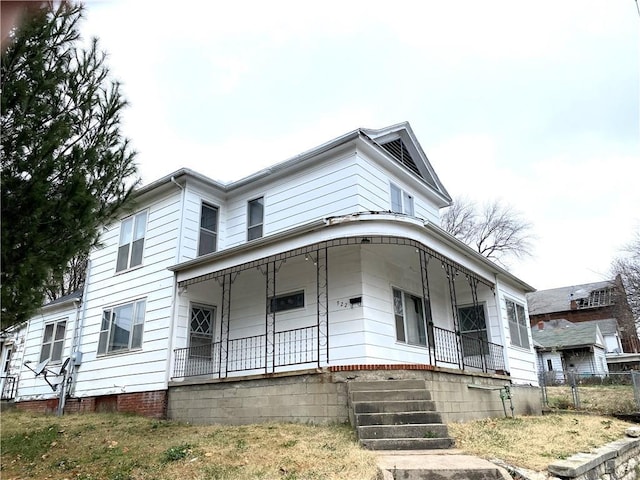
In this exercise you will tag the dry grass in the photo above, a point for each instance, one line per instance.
(604, 400)
(122, 447)
(535, 442)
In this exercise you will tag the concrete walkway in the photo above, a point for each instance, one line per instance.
(437, 465)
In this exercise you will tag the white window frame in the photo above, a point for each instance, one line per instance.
(273, 301)
(106, 338)
(257, 226)
(401, 201)
(54, 344)
(400, 318)
(518, 326)
(133, 231)
(205, 231)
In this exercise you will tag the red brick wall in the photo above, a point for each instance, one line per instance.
(148, 404)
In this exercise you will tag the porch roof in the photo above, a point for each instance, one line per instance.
(570, 337)
(337, 231)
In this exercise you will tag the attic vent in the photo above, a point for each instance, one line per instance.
(398, 150)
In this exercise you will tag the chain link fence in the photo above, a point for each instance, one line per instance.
(614, 393)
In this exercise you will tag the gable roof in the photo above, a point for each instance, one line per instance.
(396, 142)
(575, 336)
(559, 299)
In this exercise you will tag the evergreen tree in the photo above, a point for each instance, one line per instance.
(66, 168)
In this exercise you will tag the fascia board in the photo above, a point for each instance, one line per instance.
(468, 251)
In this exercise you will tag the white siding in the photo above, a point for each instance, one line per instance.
(145, 368)
(31, 387)
(521, 361)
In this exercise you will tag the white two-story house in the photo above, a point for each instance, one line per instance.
(261, 298)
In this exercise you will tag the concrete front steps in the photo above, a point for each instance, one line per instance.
(397, 415)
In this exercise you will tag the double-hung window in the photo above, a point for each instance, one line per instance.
(131, 245)
(53, 341)
(411, 325)
(208, 229)
(401, 201)
(255, 217)
(122, 327)
(518, 325)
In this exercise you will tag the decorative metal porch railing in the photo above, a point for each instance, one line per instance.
(300, 346)
(8, 388)
(292, 347)
(467, 351)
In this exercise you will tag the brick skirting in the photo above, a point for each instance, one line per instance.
(149, 404)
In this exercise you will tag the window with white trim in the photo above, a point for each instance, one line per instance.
(201, 331)
(131, 244)
(401, 201)
(411, 325)
(122, 328)
(255, 218)
(518, 324)
(287, 301)
(208, 229)
(53, 341)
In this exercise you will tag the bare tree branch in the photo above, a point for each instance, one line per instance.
(496, 231)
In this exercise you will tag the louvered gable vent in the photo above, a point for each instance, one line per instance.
(399, 151)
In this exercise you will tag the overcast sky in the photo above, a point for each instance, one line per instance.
(534, 103)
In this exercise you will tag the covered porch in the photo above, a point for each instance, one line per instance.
(359, 300)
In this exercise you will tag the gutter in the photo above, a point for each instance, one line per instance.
(254, 244)
(469, 252)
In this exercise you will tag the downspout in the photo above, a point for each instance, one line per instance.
(76, 354)
(174, 305)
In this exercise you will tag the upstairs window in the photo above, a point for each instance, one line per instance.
(597, 298)
(53, 341)
(131, 245)
(518, 325)
(401, 201)
(255, 217)
(122, 327)
(411, 325)
(208, 229)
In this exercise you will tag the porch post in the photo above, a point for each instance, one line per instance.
(451, 273)
(270, 316)
(431, 344)
(322, 289)
(473, 283)
(225, 283)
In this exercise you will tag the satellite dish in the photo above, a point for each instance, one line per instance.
(40, 367)
(63, 368)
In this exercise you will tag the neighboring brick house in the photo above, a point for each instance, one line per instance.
(587, 302)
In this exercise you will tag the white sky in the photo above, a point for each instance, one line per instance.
(535, 103)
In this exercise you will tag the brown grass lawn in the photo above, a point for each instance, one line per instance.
(535, 442)
(604, 400)
(124, 447)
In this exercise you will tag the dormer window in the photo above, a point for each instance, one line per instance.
(255, 218)
(401, 201)
(131, 244)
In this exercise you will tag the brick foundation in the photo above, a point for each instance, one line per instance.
(148, 404)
